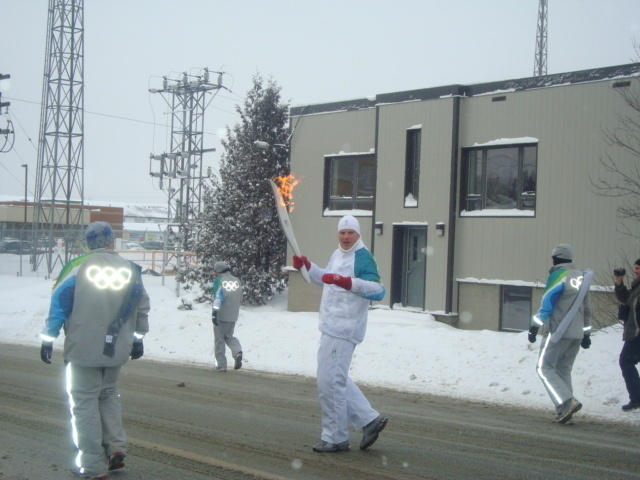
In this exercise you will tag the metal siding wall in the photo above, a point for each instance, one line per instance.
(568, 122)
(316, 136)
(435, 116)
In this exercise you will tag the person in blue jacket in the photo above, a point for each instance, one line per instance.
(565, 313)
(100, 302)
(349, 283)
(227, 298)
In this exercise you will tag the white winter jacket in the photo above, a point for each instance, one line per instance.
(343, 313)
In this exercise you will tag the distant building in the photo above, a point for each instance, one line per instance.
(130, 221)
(13, 213)
(139, 213)
(462, 191)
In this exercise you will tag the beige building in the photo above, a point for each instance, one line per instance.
(462, 191)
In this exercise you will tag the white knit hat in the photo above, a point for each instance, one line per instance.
(349, 222)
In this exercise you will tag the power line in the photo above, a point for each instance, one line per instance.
(124, 118)
(11, 114)
(20, 180)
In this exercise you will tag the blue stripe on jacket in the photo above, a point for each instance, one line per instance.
(366, 268)
(552, 291)
(217, 293)
(61, 306)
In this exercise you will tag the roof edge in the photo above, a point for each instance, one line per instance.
(527, 83)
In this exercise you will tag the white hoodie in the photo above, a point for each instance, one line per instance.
(343, 313)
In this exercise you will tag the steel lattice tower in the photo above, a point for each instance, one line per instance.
(182, 167)
(540, 64)
(60, 169)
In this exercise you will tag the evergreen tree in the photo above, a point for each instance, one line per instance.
(239, 222)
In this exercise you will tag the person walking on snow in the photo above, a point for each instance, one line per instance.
(227, 298)
(103, 307)
(350, 281)
(565, 313)
(630, 315)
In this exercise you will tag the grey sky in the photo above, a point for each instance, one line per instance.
(319, 51)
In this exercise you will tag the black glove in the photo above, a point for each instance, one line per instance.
(586, 341)
(214, 317)
(533, 331)
(46, 351)
(137, 350)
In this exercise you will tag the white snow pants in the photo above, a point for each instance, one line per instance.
(96, 416)
(555, 363)
(341, 400)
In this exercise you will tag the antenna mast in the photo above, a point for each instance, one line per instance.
(59, 195)
(540, 64)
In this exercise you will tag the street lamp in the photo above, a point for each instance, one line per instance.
(262, 145)
(26, 171)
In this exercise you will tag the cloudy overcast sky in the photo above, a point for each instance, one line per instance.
(317, 51)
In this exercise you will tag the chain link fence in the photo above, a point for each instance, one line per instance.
(25, 252)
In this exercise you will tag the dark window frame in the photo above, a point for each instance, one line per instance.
(412, 165)
(474, 177)
(526, 318)
(364, 168)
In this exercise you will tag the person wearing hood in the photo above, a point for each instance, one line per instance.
(565, 314)
(227, 298)
(629, 313)
(349, 283)
(101, 303)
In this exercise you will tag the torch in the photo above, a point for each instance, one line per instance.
(283, 214)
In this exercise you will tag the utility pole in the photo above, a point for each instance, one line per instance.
(59, 192)
(540, 64)
(26, 178)
(7, 133)
(4, 105)
(180, 170)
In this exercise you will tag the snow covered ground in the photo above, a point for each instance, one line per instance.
(402, 350)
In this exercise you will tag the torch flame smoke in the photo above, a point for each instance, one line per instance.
(286, 185)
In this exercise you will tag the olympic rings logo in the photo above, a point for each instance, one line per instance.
(108, 277)
(230, 286)
(576, 282)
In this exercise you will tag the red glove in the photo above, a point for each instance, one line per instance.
(299, 261)
(339, 280)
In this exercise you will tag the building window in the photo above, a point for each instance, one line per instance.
(412, 167)
(498, 179)
(515, 308)
(350, 182)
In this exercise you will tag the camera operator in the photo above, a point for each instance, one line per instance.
(629, 313)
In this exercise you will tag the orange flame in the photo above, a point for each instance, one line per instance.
(286, 185)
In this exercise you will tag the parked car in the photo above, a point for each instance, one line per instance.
(133, 246)
(152, 245)
(15, 246)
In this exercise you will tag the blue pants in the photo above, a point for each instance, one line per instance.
(629, 357)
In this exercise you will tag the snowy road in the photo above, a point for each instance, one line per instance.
(191, 423)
